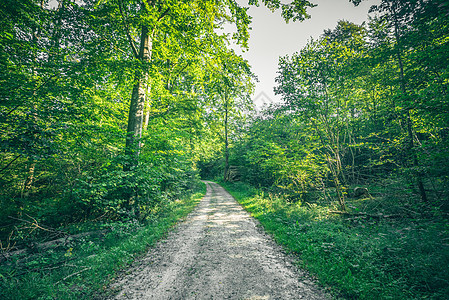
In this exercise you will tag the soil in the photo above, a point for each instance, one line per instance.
(218, 252)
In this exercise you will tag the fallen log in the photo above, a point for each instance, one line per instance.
(51, 244)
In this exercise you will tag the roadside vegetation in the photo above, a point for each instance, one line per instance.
(82, 264)
(358, 256)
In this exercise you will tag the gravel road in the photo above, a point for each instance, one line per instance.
(218, 252)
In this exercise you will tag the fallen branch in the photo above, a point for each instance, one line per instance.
(36, 225)
(362, 214)
(74, 274)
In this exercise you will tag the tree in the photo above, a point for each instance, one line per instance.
(315, 87)
(229, 86)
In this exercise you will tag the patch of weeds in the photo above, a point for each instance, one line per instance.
(358, 257)
(82, 268)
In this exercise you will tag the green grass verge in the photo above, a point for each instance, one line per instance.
(83, 268)
(359, 258)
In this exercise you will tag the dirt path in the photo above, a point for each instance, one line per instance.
(217, 253)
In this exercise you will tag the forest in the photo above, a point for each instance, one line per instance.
(112, 111)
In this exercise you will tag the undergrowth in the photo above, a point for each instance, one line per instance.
(82, 268)
(358, 257)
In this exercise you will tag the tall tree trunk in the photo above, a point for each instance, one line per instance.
(138, 97)
(226, 169)
(29, 179)
(411, 146)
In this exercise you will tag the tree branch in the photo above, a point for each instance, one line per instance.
(163, 14)
(4, 168)
(33, 92)
(128, 34)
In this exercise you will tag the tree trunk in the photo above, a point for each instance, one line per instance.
(138, 97)
(335, 171)
(411, 146)
(29, 180)
(147, 114)
(339, 189)
(226, 169)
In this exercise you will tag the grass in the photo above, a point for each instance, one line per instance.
(83, 268)
(358, 258)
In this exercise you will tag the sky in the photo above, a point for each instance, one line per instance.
(271, 37)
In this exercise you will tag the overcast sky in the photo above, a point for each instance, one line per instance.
(271, 37)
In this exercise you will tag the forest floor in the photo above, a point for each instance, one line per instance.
(219, 252)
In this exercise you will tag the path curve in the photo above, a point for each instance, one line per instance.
(217, 253)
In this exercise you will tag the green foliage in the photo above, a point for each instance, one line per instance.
(361, 104)
(295, 10)
(278, 152)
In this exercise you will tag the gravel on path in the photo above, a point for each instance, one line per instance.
(218, 252)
